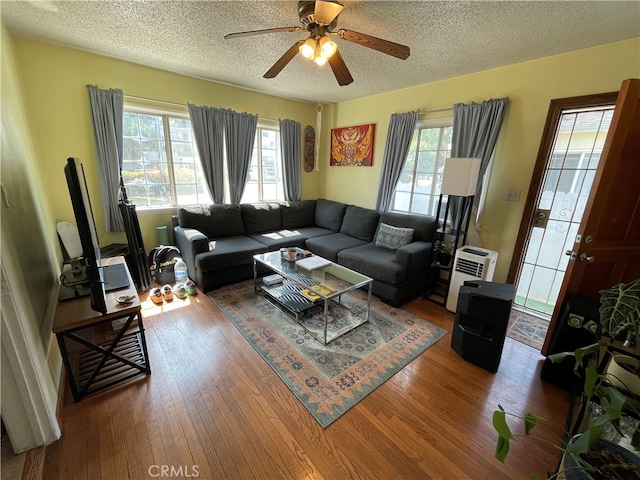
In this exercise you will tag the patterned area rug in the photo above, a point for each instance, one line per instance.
(527, 329)
(328, 380)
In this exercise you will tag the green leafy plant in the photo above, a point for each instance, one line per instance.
(613, 400)
(620, 312)
(619, 316)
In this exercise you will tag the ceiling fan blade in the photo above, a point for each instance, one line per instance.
(340, 70)
(384, 46)
(260, 32)
(283, 60)
(325, 12)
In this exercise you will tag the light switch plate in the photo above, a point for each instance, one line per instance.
(513, 196)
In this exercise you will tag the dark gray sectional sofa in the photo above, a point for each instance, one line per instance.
(218, 242)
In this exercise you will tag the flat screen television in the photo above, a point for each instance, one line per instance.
(79, 193)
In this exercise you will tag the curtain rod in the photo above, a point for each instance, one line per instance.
(179, 104)
(424, 112)
(154, 100)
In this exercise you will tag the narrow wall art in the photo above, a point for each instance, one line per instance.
(352, 146)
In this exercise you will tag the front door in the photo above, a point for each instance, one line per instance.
(607, 245)
(571, 164)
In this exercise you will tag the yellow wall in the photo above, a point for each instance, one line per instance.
(54, 81)
(28, 256)
(530, 86)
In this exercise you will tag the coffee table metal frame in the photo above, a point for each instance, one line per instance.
(339, 280)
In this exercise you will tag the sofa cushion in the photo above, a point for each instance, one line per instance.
(279, 239)
(198, 218)
(260, 217)
(328, 246)
(310, 232)
(329, 214)
(360, 222)
(424, 227)
(225, 221)
(228, 252)
(298, 214)
(392, 237)
(374, 262)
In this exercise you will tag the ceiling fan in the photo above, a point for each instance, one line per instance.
(320, 19)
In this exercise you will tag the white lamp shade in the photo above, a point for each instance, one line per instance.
(460, 176)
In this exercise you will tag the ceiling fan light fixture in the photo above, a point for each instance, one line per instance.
(325, 12)
(327, 47)
(308, 48)
(320, 60)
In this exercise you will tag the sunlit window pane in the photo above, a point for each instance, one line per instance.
(159, 173)
(418, 187)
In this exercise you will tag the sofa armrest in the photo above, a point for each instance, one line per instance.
(415, 254)
(190, 242)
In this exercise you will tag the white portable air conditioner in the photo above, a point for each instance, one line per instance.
(470, 263)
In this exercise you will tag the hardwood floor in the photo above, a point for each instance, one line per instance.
(213, 409)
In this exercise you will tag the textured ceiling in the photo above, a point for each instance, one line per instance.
(447, 38)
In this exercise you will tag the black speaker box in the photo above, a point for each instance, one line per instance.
(482, 316)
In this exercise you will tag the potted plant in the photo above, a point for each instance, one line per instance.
(445, 254)
(620, 319)
(587, 455)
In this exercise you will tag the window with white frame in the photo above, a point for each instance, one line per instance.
(161, 167)
(418, 187)
(265, 172)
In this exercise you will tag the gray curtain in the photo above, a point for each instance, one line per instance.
(291, 157)
(475, 132)
(401, 129)
(239, 135)
(106, 114)
(208, 128)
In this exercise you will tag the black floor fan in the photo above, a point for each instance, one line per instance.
(138, 261)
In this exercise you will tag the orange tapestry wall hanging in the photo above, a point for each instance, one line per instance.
(352, 146)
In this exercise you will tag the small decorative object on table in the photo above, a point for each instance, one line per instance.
(291, 254)
(272, 279)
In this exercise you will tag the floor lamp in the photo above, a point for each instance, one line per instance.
(459, 182)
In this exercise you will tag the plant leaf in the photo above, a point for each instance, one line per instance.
(502, 448)
(530, 421)
(579, 444)
(499, 421)
(619, 308)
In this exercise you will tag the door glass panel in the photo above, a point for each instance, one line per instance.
(569, 175)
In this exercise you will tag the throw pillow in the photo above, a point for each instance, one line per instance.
(393, 237)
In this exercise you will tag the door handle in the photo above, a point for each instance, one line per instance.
(587, 258)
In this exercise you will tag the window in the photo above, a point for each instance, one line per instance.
(265, 172)
(418, 188)
(161, 167)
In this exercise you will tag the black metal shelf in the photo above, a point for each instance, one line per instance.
(437, 288)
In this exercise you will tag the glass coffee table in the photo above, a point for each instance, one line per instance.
(314, 296)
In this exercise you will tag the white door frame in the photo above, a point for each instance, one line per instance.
(28, 411)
